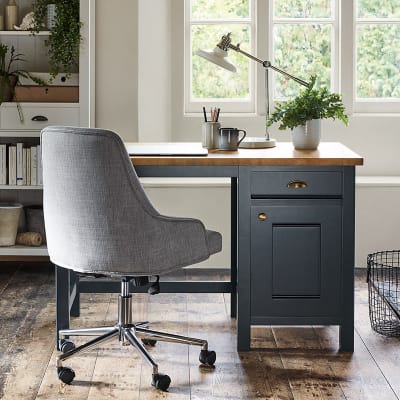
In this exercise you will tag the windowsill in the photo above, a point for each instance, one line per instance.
(224, 115)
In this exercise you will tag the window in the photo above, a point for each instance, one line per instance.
(205, 83)
(377, 57)
(304, 43)
(351, 45)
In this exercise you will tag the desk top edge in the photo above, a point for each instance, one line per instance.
(327, 154)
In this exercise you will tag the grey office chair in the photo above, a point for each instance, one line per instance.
(99, 220)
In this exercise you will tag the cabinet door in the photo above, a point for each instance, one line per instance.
(296, 253)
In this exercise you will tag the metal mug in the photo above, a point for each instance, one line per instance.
(229, 138)
(210, 134)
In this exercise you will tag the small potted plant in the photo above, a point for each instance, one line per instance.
(303, 114)
(65, 33)
(8, 75)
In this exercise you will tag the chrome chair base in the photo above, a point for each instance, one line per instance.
(128, 333)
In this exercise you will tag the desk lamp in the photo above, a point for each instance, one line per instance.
(219, 56)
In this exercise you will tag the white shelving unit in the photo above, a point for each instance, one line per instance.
(14, 129)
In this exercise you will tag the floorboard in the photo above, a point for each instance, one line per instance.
(298, 363)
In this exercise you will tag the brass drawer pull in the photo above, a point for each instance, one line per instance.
(297, 185)
(262, 216)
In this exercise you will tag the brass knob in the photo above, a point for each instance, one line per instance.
(262, 216)
(297, 185)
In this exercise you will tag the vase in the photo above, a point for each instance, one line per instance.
(8, 91)
(308, 136)
(9, 218)
(11, 15)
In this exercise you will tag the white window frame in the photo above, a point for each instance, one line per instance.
(372, 105)
(334, 20)
(227, 105)
(344, 63)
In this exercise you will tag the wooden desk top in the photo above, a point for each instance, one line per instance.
(328, 153)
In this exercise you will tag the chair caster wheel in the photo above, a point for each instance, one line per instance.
(207, 357)
(66, 374)
(66, 345)
(160, 381)
(149, 342)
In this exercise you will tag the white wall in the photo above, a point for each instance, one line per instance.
(117, 67)
(137, 94)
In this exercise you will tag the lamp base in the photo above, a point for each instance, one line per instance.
(257, 143)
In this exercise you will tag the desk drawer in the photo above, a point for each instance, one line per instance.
(292, 183)
(36, 117)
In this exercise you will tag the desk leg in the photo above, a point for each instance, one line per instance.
(76, 304)
(243, 266)
(346, 330)
(234, 242)
(62, 300)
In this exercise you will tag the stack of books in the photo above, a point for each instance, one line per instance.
(20, 165)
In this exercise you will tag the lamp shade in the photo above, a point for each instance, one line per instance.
(218, 57)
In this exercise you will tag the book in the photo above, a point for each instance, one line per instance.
(24, 165)
(28, 166)
(20, 165)
(39, 165)
(3, 165)
(12, 165)
(34, 165)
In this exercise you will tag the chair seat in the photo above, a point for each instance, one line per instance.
(214, 240)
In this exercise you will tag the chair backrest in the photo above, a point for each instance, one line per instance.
(93, 201)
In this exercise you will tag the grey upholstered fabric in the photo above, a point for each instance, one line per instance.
(98, 218)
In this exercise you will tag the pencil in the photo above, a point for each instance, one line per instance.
(205, 114)
(216, 119)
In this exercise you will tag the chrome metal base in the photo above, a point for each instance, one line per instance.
(257, 143)
(127, 333)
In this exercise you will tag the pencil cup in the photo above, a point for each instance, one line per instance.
(210, 134)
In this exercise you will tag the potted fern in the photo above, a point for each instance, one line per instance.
(9, 75)
(303, 114)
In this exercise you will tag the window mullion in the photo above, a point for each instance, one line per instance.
(363, 21)
(303, 20)
(219, 21)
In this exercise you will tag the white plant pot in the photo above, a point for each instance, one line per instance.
(9, 218)
(308, 136)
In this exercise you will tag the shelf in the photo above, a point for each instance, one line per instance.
(20, 133)
(23, 33)
(19, 187)
(23, 251)
(39, 104)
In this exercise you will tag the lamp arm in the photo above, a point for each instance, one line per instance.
(267, 64)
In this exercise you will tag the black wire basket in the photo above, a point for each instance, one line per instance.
(383, 279)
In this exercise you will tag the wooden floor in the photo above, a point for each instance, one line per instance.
(289, 363)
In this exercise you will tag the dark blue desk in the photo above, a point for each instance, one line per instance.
(292, 238)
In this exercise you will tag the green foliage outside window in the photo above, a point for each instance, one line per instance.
(211, 81)
(302, 8)
(302, 50)
(377, 50)
(378, 61)
(378, 9)
(220, 9)
(207, 79)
